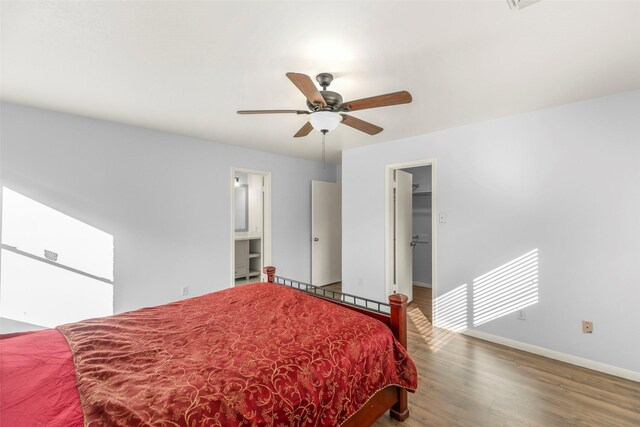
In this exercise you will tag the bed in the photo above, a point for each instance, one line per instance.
(260, 354)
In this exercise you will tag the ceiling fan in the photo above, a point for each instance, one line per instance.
(327, 110)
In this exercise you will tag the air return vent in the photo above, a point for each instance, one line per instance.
(50, 255)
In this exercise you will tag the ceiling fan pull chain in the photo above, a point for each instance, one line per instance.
(324, 164)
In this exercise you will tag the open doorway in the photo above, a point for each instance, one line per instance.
(411, 232)
(250, 225)
(421, 235)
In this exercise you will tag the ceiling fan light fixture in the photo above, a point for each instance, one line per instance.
(325, 120)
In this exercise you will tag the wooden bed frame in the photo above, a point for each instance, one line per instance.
(391, 398)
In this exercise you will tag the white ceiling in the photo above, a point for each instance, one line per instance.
(187, 66)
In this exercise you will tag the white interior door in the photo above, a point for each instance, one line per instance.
(256, 205)
(403, 228)
(326, 233)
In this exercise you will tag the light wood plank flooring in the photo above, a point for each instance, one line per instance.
(239, 282)
(334, 286)
(464, 381)
(422, 300)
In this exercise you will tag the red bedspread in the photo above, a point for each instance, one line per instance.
(258, 354)
(38, 381)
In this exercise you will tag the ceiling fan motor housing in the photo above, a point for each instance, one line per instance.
(333, 100)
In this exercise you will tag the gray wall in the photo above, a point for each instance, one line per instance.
(513, 185)
(164, 197)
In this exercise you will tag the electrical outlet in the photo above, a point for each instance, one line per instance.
(587, 327)
(184, 290)
(522, 315)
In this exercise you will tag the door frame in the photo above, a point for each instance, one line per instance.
(389, 215)
(266, 220)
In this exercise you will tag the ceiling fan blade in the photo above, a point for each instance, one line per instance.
(395, 98)
(272, 111)
(307, 87)
(361, 125)
(304, 130)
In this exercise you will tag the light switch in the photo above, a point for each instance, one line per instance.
(443, 217)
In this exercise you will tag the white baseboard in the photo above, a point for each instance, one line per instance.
(552, 354)
(424, 285)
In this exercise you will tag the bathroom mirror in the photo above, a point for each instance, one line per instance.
(242, 207)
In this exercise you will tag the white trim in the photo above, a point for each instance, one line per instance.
(422, 284)
(388, 226)
(556, 355)
(266, 224)
(266, 220)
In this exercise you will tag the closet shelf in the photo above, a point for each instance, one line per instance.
(248, 258)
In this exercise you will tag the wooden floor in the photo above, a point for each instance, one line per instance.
(422, 300)
(464, 381)
(247, 281)
(334, 286)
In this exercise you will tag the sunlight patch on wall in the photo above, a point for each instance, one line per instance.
(55, 268)
(508, 288)
(450, 310)
(33, 227)
(45, 295)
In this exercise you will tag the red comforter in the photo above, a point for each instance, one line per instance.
(258, 354)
